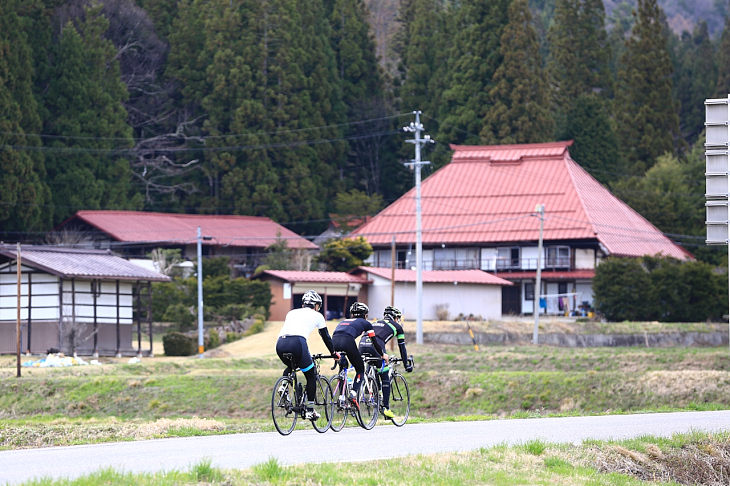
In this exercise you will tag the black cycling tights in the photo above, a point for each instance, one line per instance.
(343, 342)
(297, 346)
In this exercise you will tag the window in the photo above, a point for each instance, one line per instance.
(558, 256)
(529, 291)
(508, 258)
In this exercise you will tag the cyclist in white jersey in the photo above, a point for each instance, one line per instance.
(298, 325)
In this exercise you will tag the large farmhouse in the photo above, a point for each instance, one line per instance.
(479, 212)
(135, 233)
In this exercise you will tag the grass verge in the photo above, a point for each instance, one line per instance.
(695, 458)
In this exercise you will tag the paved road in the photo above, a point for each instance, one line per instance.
(241, 451)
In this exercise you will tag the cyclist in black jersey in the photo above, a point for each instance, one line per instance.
(344, 339)
(385, 330)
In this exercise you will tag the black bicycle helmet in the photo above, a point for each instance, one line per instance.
(358, 309)
(311, 299)
(393, 312)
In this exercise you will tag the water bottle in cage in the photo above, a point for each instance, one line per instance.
(299, 392)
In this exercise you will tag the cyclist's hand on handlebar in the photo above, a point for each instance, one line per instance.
(385, 357)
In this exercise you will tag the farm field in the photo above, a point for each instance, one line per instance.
(165, 396)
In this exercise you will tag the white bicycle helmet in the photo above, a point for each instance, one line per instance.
(311, 299)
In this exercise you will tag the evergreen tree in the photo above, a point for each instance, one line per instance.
(595, 145)
(474, 57)
(695, 79)
(647, 115)
(579, 52)
(722, 90)
(519, 109)
(24, 195)
(85, 112)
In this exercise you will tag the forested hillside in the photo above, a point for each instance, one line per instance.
(275, 107)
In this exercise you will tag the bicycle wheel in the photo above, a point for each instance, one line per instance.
(400, 399)
(369, 401)
(323, 405)
(282, 408)
(339, 405)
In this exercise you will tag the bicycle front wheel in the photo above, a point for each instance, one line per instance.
(282, 407)
(340, 404)
(323, 405)
(369, 401)
(400, 399)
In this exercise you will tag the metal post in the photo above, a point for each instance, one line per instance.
(540, 210)
(200, 295)
(17, 324)
(392, 272)
(417, 128)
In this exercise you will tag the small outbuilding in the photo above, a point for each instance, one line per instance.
(446, 293)
(89, 302)
(339, 290)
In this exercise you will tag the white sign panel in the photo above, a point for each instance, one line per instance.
(716, 170)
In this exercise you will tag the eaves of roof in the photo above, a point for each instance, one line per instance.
(549, 275)
(74, 263)
(313, 277)
(438, 276)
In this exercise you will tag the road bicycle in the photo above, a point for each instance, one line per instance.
(288, 399)
(400, 397)
(368, 399)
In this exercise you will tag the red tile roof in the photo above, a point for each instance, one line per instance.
(488, 195)
(439, 276)
(313, 277)
(77, 263)
(549, 275)
(146, 227)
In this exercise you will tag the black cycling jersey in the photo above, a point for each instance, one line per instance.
(353, 327)
(385, 330)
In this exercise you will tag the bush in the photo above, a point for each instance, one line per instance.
(257, 326)
(178, 344)
(180, 315)
(214, 339)
(233, 336)
(662, 289)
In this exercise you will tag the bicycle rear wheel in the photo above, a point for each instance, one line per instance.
(323, 405)
(369, 400)
(282, 407)
(339, 405)
(400, 399)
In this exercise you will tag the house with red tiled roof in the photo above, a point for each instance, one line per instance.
(478, 212)
(136, 233)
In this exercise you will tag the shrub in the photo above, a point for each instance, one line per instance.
(214, 339)
(233, 336)
(257, 326)
(178, 344)
(179, 314)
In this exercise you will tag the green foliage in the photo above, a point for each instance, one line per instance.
(662, 289)
(180, 314)
(270, 471)
(357, 203)
(216, 267)
(178, 344)
(257, 326)
(278, 255)
(214, 339)
(222, 291)
(345, 254)
(519, 104)
(24, 193)
(595, 144)
(647, 114)
(165, 294)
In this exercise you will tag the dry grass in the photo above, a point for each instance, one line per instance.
(703, 462)
(685, 385)
(163, 426)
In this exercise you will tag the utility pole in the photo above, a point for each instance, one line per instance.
(200, 295)
(416, 127)
(540, 210)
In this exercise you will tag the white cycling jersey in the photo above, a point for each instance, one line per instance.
(301, 322)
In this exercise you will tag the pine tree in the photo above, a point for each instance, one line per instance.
(595, 145)
(85, 112)
(579, 54)
(24, 195)
(519, 108)
(722, 90)
(646, 111)
(695, 79)
(474, 56)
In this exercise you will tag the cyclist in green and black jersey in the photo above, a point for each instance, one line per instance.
(385, 330)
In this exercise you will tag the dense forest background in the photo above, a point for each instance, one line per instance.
(292, 109)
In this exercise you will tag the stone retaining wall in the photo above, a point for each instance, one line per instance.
(653, 340)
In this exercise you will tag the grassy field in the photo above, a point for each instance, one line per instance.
(119, 401)
(696, 458)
